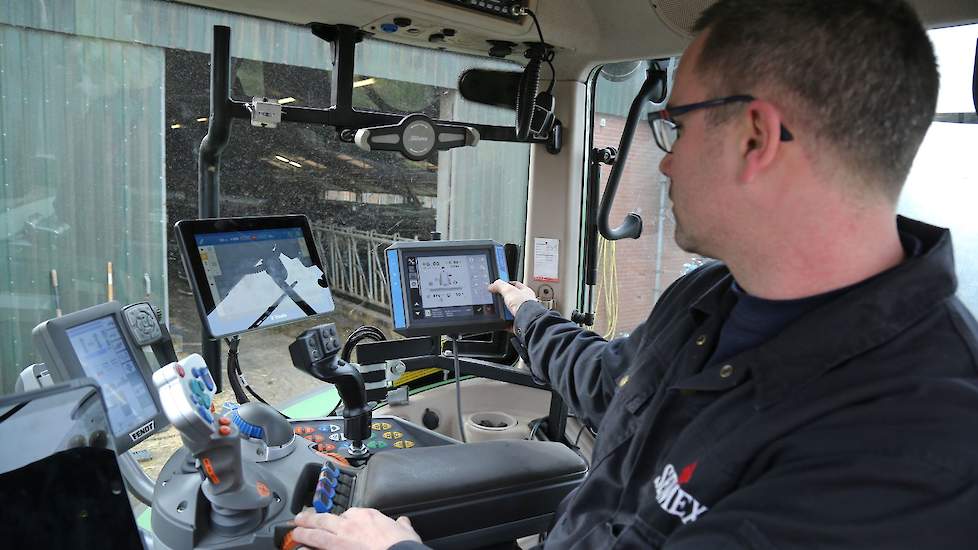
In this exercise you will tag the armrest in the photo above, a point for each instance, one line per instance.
(450, 490)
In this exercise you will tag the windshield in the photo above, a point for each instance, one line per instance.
(102, 115)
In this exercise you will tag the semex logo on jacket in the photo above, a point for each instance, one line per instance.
(671, 496)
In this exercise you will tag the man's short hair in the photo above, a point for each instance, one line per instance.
(860, 73)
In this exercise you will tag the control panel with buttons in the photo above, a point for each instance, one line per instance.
(187, 395)
(386, 433)
(333, 489)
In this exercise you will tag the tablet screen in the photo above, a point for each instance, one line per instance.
(256, 277)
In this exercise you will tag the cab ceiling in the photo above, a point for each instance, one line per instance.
(586, 32)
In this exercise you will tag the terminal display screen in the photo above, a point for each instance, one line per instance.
(442, 287)
(450, 286)
(103, 354)
(256, 276)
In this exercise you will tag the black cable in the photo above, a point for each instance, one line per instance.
(458, 388)
(232, 370)
(361, 333)
(236, 377)
(549, 56)
(579, 432)
(533, 430)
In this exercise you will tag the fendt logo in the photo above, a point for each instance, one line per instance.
(142, 430)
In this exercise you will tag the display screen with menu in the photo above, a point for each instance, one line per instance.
(254, 273)
(439, 287)
(103, 354)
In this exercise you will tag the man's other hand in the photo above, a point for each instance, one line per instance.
(355, 529)
(514, 293)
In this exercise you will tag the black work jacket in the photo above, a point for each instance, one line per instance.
(854, 427)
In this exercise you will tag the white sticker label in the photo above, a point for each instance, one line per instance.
(546, 258)
(142, 430)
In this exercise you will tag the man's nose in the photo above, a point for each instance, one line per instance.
(665, 165)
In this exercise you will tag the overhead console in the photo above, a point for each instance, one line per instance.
(507, 9)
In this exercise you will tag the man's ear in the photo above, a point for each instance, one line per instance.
(761, 140)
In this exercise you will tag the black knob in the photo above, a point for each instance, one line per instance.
(430, 419)
(402, 21)
(448, 32)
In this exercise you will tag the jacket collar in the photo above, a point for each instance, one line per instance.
(870, 314)
(867, 315)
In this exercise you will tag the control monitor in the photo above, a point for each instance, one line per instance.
(442, 287)
(253, 273)
(101, 343)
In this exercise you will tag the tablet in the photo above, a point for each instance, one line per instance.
(442, 287)
(253, 273)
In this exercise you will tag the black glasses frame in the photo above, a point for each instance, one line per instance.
(666, 115)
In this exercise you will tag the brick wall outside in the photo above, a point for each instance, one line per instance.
(638, 191)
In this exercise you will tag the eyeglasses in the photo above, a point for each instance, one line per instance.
(665, 129)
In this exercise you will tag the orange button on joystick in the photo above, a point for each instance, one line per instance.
(224, 430)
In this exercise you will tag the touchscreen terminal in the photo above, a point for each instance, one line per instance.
(253, 273)
(97, 343)
(104, 356)
(441, 287)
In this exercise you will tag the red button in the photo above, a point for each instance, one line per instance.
(180, 371)
(224, 430)
(224, 421)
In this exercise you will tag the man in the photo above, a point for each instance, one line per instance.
(818, 387)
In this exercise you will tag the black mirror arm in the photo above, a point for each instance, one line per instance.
(631, 227)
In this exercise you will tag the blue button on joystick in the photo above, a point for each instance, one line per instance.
(206, 414)
(322, 507)
(208, 381)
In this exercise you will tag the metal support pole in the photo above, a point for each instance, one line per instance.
(344, 50)
(557, 419)
(209, 163)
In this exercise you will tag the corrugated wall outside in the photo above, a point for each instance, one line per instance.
(488, 197)
(81, 178)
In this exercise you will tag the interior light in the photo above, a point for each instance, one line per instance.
(364, 82)
(281, 158)
(285, 100)
(296, 164)
(175, 126)
(202, 119)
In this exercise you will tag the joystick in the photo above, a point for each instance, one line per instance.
(315, 352)
(238, 495)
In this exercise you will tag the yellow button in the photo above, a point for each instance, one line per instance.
(623, 381)
(701, 340)
(726, 371)
(408, 444)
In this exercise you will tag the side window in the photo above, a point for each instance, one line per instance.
(633, 273)
(943, 183)
(940, 189)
